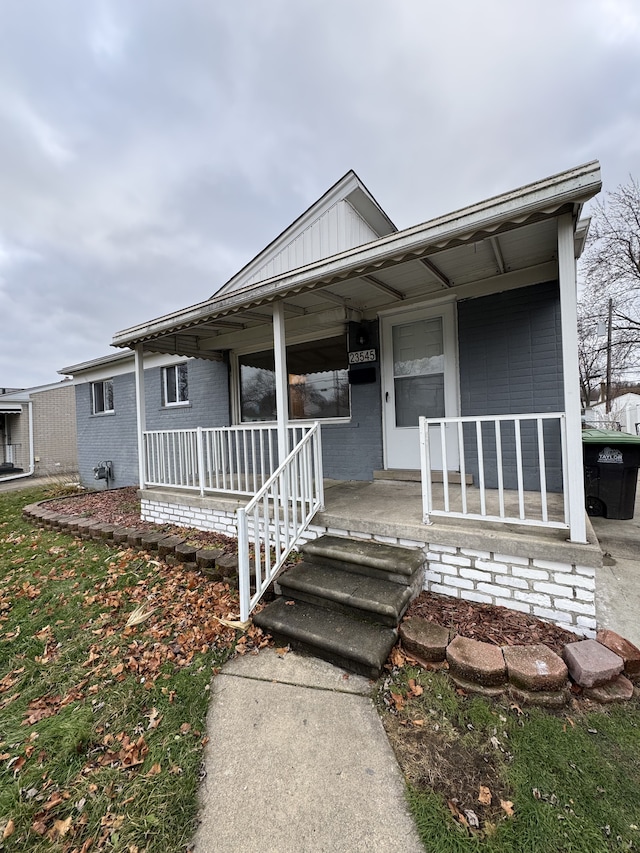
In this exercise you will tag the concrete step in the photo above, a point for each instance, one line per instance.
(369, 599)
(410, 475)
(373, 559)
(349, 643)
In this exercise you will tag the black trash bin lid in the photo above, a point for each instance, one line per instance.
(608, 436)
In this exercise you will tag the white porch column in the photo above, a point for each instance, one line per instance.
(568, 311)
(282, 397)
(141, 418)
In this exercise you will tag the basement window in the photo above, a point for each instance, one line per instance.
(175, 385)
(102, 396)
(318, 382)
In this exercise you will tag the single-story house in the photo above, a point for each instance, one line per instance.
(415, 387)
(38, 431)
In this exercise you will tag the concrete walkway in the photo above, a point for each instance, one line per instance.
(618, 581)
(298, 760)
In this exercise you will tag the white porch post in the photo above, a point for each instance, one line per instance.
(568, 311)
(282, 400)
(140, 412)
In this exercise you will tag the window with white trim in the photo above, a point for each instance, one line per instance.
(318, 382)
(175, 385)
(102, 397)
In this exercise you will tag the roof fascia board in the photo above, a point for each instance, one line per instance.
(117, 364)
(574, 186)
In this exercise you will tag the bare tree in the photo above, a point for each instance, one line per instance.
(609, 311)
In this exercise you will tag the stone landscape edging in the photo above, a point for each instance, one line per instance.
(171, 546)
(600, 669)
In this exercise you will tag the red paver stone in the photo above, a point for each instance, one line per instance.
(535, 667)
(618, 690)
(477, 662)
(591, 664)
(629, 653)
(424, 639)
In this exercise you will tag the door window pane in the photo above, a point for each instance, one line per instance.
(418, 370)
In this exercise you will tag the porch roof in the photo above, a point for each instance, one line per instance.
(506, 241)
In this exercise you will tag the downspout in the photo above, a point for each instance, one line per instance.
(32, 465)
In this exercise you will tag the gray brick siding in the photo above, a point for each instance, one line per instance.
(353, 451)
(510, 355)
(112, 436)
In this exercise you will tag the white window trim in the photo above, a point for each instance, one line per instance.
(102, 382)
(236, 411)
(178, 403)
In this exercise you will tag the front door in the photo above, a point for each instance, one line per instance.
(419, 369)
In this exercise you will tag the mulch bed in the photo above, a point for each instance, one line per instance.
(489, 623)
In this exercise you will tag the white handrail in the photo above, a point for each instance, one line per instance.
(494, 455)
(273, 521)
(236, 459)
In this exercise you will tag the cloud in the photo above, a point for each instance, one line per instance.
(148, 150)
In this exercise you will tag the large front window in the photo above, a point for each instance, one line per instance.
(317, 381)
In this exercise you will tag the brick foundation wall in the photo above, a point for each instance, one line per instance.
(562, 593)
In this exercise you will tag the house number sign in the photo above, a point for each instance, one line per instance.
(362, 356)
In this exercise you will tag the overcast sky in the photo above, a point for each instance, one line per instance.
(150, 148)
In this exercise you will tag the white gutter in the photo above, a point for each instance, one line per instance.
(575, 186)
(32, 465)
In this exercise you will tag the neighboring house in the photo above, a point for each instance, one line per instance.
(442, 356)
(38, 431)
(624, 414)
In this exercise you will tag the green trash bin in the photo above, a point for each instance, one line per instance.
(611, 461)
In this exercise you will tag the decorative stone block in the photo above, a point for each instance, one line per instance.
(480, 663)
(227, 564)
(167, 545)
(135, 537)
(629, 653)
(535, 667)
(491, 692)
(206, 557)
(424, 639)
(540, 698)
(150, 540)
(618, 690)
(121, 534)
(591, 664)
(186, 553)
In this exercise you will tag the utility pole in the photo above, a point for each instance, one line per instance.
(608, 388)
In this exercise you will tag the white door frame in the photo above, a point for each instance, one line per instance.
(446, 310)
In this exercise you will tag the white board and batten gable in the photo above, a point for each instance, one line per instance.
(345, 217)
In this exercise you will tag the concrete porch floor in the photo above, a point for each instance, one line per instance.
(394, 508)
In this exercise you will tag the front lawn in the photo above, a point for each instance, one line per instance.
(106, 656)
(494, 777)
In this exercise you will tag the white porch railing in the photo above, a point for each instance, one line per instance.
(234, 459)
(274, 519)
(512, 457)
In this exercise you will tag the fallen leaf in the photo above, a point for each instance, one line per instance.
(484, 796)
(472, 818)
(281, 652)
(507, 807)
(185, 728)
(9, 829)
(154, 770)
(60, 828)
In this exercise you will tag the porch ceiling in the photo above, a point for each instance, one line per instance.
(488, 248)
